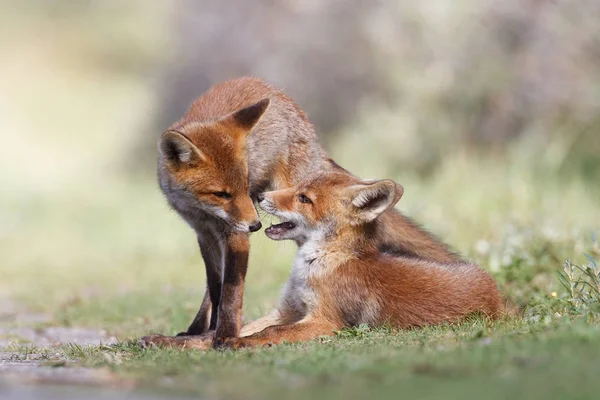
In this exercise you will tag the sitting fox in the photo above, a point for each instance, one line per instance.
(340, 278)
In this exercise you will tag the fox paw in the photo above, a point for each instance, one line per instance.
(235, 343)
(228, 343)
(202, 342)
(153, 341)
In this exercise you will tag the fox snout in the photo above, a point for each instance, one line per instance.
(255, 226)
(278, 202)
(291, 226)
(246, 227)
(243, 215)
(266, 203)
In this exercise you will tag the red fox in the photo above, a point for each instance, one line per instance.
(238, 139)
(340, 278)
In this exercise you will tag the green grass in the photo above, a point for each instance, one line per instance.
(498, 360)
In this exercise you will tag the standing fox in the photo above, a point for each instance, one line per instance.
(238, 139)
(340, 278)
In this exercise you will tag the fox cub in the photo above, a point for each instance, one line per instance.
(340, 278)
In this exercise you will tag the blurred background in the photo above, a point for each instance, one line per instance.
(488, 112)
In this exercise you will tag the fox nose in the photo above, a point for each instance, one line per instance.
(255, 226)
(260, 197)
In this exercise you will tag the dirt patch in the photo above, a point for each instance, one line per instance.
(48, 368)
(54, 336)
(45, 363)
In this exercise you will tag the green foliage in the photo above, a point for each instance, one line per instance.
(353, 332)
(583, 286)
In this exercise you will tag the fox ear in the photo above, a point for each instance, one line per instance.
(177, 149)
(247, 117)
(369, 199)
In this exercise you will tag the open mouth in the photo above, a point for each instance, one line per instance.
(279, 229)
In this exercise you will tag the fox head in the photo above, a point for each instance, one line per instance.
(327, 203)
(203, 166)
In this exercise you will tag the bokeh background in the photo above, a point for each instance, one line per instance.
(488, 112)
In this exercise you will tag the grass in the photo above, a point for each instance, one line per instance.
(508, 358)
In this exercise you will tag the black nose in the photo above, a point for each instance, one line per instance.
(255, 226)
(260, 197)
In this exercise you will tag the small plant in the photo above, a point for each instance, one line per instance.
(354, 332)
(582, 284)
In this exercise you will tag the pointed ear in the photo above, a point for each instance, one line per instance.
(177, 149)
(369, 199)
(247, 117)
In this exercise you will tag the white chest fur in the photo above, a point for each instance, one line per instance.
(297, 293)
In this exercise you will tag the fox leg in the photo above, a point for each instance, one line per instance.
(258, 325)
(202, 320)
(197, 342)
(234, 274)
(275, 317)
(211, 248)
(306, 329)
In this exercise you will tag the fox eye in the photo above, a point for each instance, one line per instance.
(303, 199)
(222, 195)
